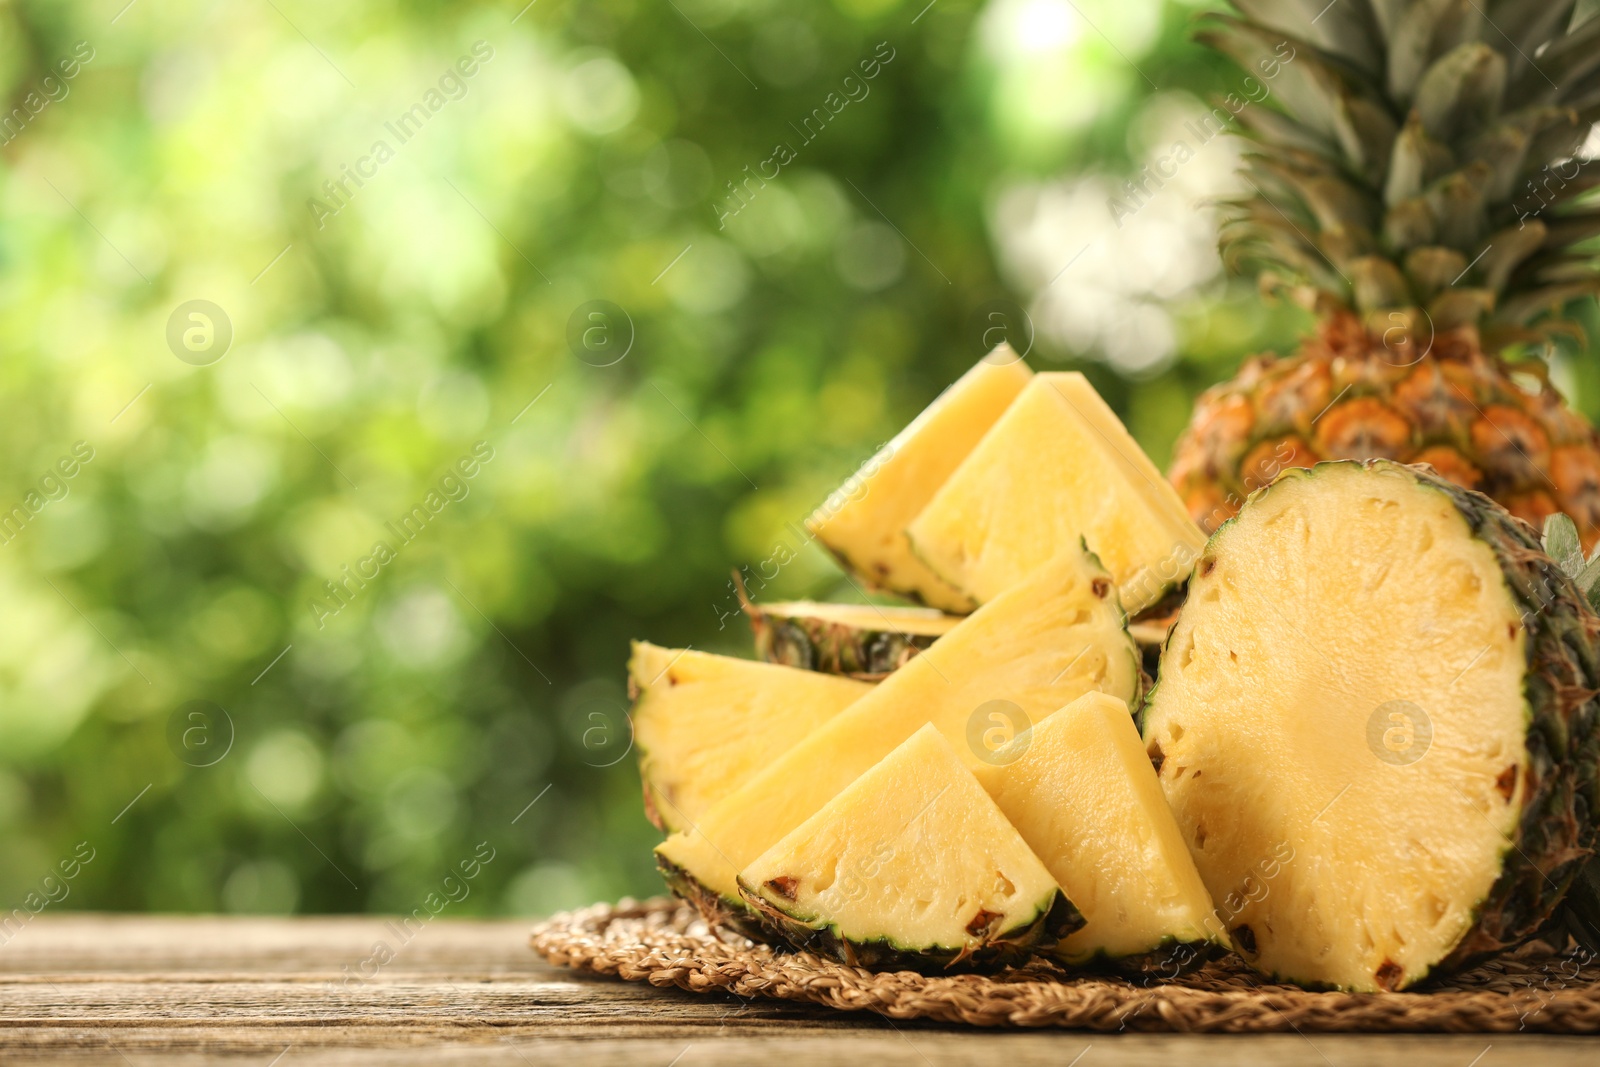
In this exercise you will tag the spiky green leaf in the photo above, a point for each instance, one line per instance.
(1460, 307)
(1274, 128)
(1413, 27)
(1415, 161)
(1588, 580)
(1409, 224)
(1332, 201)
(1459, 207)
(1506, 251)
(1365, 132)
(1433, 268)
(1308, 86)
(1528, 25)
(1546, 300)
(1568, 60)
(1461, 92)
(1378, 284)
(1345, 30)
(1566, 230)
(1561, 544)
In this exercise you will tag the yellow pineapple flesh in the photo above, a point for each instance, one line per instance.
(1056, 469)
(703, 723)
(1080, 789)
(1036, 647)
(911, 865)
(1376, 729)
(863, 522)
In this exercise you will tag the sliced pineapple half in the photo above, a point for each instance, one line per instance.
(703, 723)
(1056, 467)
(1080, 789)
(911, 866)
(1041, 644)
(865, 641)
(1374, 724)
(863, 522)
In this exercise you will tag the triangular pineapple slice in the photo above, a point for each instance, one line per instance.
(1080, 789)
(1039, 645)
(705, 723)
(912, 866)
(1057, 467)
(863, 523)
(865, 641)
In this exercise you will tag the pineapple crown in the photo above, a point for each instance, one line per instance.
(1424, 157)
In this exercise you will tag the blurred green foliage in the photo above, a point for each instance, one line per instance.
(480, 671)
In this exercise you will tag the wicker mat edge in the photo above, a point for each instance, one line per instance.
(664, 942)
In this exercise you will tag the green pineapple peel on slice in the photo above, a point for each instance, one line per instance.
(865, 641)
(1058, 466)
(863, 522)
(1375, 726)
(911, 866)
(1580, 911)
(1043, 643)
(703, 723)
(1080, 789)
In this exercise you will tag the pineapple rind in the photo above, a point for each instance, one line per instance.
(1557, 831)
(1346, 394)
(1053, 919)
(1171, 957)
(787, 634)
(755, 918)
(717, 910)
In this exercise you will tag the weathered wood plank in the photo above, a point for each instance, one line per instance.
(191, 991)
(300, 1047)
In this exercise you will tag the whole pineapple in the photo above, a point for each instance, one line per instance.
(1419, 190)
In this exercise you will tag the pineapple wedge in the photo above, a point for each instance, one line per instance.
(1056, 467)
(863, 522)
(705, 723)
(911, 866)
(1080, 789)
(1039, 645)
(865, 641)
(1376, 727)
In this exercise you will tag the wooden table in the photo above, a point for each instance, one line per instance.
(288, 992)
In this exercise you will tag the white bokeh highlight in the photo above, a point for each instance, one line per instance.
(1132, 262)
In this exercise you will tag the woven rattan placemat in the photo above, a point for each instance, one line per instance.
(664, 942)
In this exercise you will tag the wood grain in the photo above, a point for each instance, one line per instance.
(188, 991)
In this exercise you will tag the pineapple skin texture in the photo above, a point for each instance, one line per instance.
(834, 648)
(1345, 394)
(1560, 819)
(1009, 948)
